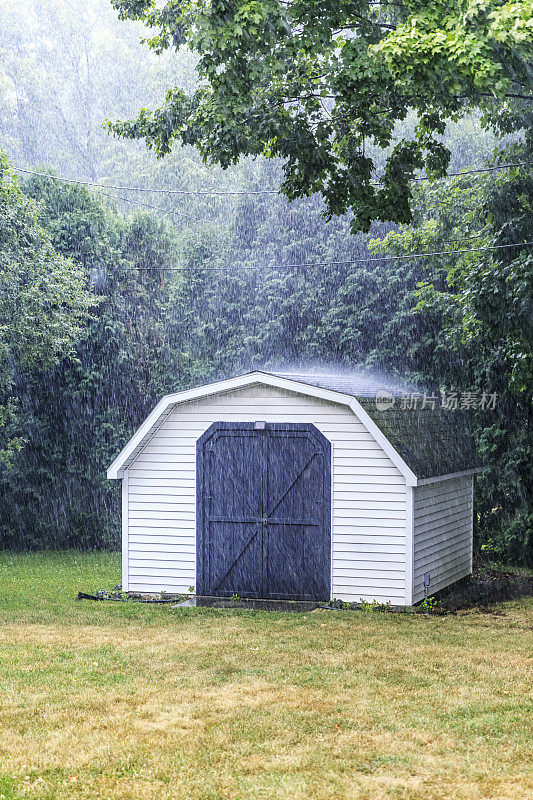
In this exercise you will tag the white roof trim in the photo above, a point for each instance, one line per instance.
(148, 427)
(462, 474)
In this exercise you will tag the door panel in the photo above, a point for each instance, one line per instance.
(264, 510)
(235, 559)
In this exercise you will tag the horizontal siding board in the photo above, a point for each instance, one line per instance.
(138, 584)
(376, 535)
(443, 538)
(306, 413)
(177, 526)
(365, 512)
(440, 538)
(161, 514)
(379, 582)
(170, 563)
(366, 519)
(142, 550)
(338, 423)
(364, 469)
(441, 505)
(431, 563)
(165, 503)
(346, 569)
(441, 488)
(170, 489)
(143, 547)
(450, 510)
(372, 557)
(369, 558)
(161, 517)
(371, 494)
(356, 455)
(450, 547)
(383, 481)
(356, 593)
(164, 543)
(178, 573)
(156, 474)
(368, 506)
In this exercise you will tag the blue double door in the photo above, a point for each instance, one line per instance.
(264, 511)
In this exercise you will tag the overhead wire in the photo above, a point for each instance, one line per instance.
(340, 263)
(200, 219)
(154, 208)
(236, 192)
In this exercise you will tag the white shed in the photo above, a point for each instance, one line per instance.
(295, 486)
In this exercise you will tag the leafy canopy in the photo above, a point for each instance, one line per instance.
(322, 86)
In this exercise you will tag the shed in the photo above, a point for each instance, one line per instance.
(296, 486)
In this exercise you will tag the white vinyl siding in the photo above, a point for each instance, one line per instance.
(368, 499)
(442, 533)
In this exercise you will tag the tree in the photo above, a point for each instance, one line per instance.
(76, 416)
(484, 300)
(323, 86)
(44, 300)
(53, 99)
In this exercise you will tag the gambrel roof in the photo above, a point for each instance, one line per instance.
(422, 444)
(432, 441)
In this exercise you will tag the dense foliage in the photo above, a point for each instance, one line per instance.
(322, 86)
(486, 308)
(76, 416)
(43, 301)
(158, 328)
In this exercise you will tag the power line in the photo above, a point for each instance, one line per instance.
(200, 219)
(472, 171)
(142, 188)
(154, 208)
(341, 263)
(235, 192)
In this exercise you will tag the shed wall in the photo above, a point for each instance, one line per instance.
(442, 533)
(368, 496)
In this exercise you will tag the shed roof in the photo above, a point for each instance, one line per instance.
(431, 441)
(422, 443)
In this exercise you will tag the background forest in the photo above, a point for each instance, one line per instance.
(165, 291)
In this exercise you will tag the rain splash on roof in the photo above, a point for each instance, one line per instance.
(356, 384)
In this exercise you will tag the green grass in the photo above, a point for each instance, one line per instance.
(130, 701)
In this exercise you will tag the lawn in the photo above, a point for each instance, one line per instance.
(110, 700)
